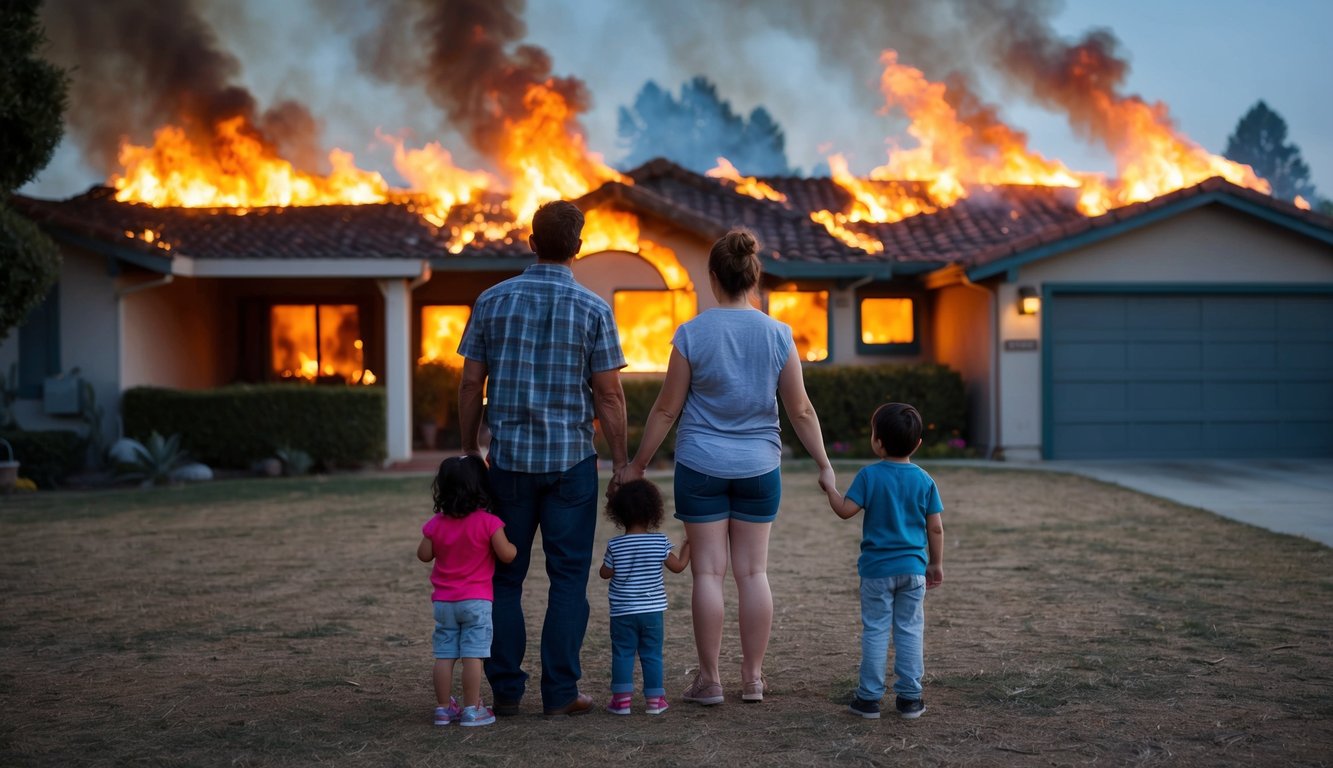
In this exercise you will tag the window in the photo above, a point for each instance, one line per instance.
(647, 320)
(807, 314)
(39, 345)
(441, 330)
(317, 342)
(887, 325)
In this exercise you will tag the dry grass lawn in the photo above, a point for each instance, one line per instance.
(286, 622)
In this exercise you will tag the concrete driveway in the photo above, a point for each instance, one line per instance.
(1285, 495)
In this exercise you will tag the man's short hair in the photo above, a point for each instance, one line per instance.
(556, 229)
(898, 428)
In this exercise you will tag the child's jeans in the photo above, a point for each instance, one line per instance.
(893, 603)
(639, 633)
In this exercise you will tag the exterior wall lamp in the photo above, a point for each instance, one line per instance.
(1029, 301)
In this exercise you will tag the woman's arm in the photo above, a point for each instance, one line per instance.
(666, 409)
(791, 386)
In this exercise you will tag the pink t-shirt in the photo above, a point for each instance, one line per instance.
(464, 562)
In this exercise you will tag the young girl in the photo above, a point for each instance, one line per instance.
(463, 538)
(633, 563)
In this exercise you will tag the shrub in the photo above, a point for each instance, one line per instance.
(233, 426)
(846, 396)
(154, 460)
(47, 457)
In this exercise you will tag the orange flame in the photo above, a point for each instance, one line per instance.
(238, 170)
(807, 314)
(605, 230)
(441, 329)
(745, 185)
(961, 144)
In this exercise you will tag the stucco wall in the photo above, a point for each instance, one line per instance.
(171, 334)
(1211, 245)
(960, 322)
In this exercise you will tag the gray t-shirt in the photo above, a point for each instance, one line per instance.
(729, 424)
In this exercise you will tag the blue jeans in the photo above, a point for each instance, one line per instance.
(894, 603)
(564, 506)
(639, 633)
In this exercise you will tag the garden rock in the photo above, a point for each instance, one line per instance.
(191, 473)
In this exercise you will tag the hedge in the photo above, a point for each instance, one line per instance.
(234, 426)
(46, 457)
(844, 397)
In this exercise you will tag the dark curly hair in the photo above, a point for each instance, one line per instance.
(637, 502)
(461, 486)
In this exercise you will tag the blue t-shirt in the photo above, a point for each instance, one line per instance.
(637, 585)
(895, 499)
(729, 424)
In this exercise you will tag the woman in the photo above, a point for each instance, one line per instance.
(727, 367)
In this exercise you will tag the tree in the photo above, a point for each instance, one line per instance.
(32, 103)
(699, 127)
(1260, 141)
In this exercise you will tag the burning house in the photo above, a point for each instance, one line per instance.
(1175, 310)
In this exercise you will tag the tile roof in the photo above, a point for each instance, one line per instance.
(991, 224)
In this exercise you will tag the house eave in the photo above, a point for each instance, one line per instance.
(1009, 265)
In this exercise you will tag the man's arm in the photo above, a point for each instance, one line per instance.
(608, 402)
(470, 389)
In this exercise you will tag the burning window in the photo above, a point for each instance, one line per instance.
(441, 330)
(647, 320)
(807, 314)
(887, 322)
(318, 342)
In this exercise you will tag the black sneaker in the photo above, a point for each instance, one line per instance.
(910, 709)
(505, 707)
(862, 708)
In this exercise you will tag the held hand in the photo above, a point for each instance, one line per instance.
(934, 576)
(828, 480)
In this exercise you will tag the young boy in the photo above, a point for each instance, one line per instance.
(901, 557)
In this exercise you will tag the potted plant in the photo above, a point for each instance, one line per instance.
(430, 393)
(9, 468)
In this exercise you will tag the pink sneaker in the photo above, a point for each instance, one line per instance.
(449, 714)
(619, 703)
(657, 705)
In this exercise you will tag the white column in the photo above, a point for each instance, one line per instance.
(397, 368)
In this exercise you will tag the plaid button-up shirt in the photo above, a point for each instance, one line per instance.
(542, 336)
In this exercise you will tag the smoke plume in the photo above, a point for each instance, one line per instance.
(138, 64)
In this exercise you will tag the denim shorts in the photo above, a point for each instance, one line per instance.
(462, 629)
(703, 498)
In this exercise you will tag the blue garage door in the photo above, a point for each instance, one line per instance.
(1189, 375)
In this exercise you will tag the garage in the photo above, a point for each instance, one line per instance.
(1188, 372)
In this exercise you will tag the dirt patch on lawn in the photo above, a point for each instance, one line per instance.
(287, 622)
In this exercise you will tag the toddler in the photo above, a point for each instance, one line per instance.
(633, 563)
(464, 539)
(902, 543)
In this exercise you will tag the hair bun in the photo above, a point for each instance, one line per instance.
(741, 242)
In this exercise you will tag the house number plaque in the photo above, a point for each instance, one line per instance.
(1020, 345)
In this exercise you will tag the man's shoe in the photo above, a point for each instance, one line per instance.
(910, 709)
(505, 707)
(864, 708)
(581, 705)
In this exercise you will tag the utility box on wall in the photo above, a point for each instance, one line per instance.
(60, 396)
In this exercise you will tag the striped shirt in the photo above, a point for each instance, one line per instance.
(542, 336)
(637, 586)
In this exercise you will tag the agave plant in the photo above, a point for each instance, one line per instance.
(153, 462)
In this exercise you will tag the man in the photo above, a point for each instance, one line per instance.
(550, 350)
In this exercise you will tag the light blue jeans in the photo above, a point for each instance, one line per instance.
(892, 604)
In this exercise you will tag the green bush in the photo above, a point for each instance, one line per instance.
(845, 397)
(46, 457)
(234, 426)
